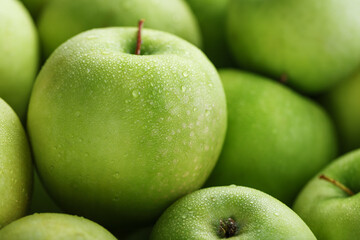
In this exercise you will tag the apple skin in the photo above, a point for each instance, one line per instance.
(328, 210)
(63, 19)
(19, 43)
(15, 167)
(343, 104)
(54, 226)
(313, 43)
(258, 216)
(211, 15)
(276, 139)
(118, 137)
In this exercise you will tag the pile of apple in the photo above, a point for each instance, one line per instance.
(110, 125)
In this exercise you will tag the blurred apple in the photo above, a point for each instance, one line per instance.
(54, 226)
(62, 19)
(312, 44)
(276, 139)
(19, 55)
(343, 103)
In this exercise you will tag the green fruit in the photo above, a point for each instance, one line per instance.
(329, 211)
(15, 167)
(230, 212)
(63, 19)
(211, 15)
(54, 226)
(19, 51)
(343, 103)
(118, 137)
(312, 44)
(276, 140)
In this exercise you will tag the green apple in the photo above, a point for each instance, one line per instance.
(329, 204)
(312, 44)
(230, 212)
(54, 226)
(117, 137)
(15, 167)
(211, 15)
(62, 19)
(343, 104)
(276, 140)
(19, 51)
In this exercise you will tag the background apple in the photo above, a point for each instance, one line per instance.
(329, 211)
(343, 104)
(211, 15)
(118, 137)
(276, 139)
(19, 55)
(15, 167)
(230, 212)
(62, 19)
(314, 44)
(54, 226)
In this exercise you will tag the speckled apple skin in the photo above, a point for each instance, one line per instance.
(118, 137)
(19, 55)
(276, 139)
(258, 215)
(313, 43)
(63, 19)
(54, 226)
(15, 167)
(329, 211)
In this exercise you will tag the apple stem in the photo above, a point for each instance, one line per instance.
(139, 41)
(283, 78)
(228, 228)
(338, 184)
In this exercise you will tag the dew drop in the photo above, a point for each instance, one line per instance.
(183, 88)
(185, 74)
(136, 93)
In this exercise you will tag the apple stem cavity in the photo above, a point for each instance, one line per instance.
(139, 41)
(283, 78)
(338, 184)
(228, 228)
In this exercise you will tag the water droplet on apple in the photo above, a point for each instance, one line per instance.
(183, 88)
(136, 93)
(276, 214)
(88, 70)
(185, 74)
(105, 53)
